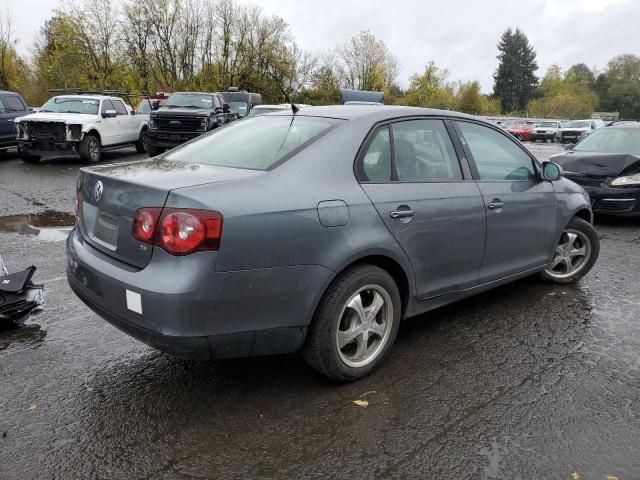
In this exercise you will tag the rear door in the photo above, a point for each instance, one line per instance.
(11, 107)
(411, 172)
(127, 127)
(521, 208)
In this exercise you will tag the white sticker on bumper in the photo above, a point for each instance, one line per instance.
(134, 302)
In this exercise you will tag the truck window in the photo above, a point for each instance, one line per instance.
(13, 103)
(120, 108)
(3, 109)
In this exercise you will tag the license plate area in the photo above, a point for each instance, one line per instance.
(106, 229)
(174, 138)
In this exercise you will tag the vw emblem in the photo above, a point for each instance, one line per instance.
(174, 123)
(98, 190)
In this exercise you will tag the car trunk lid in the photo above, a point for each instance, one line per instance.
(110, 195)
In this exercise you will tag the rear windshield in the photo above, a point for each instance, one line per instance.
(258, 143)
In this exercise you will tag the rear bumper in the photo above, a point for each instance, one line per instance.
(47, 150)
(217, 315)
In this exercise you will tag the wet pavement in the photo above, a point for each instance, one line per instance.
(528, 381)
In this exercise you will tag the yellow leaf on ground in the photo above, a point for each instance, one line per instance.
(361, 403)
(32, 407)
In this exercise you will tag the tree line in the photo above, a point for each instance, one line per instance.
(210, 45)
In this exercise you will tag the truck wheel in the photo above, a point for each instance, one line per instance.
(152, 150)
(575, 254)
(90, 150)
(142, 145)
(355, 324)
(26, 158)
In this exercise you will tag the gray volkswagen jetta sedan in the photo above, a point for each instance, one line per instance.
(319, 232)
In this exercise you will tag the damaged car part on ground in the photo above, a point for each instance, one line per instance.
(19, 296)
(607, 165)
(320, 231)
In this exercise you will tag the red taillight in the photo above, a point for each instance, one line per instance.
(178, 231)
(145, 223)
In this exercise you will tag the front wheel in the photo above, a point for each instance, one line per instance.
(152, 150)
(575, 254)
(90, 149)
(355, 324)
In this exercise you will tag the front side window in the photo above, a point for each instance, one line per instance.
(106, 105)
(259, 143)
(87, 106)
(3, 109)
(496, 156)
(423, 152)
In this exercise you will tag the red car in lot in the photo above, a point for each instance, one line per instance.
(152, 103)
(522, 131)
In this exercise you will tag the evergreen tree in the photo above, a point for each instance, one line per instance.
(515, 79)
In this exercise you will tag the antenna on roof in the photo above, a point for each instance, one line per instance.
(294, 109)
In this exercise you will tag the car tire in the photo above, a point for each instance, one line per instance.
(90, 149)
(26, 158)
(363, 303)
(153, 150)
(575, 253)
(143, 142)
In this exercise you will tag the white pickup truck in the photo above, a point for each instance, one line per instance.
(81, 126)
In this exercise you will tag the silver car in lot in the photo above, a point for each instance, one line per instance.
(319, 232)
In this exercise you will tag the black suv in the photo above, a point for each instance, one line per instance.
(184, 116)
(12, 105)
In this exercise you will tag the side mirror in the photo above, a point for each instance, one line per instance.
(218, 110)
(552, 171)
(155, 105)
(569, 146)
(226, 108)
(109, 114)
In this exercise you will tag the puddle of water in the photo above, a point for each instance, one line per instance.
(49, 225)
(25, 335)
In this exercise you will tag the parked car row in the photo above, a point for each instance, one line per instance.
(551, 130)
(84, 124)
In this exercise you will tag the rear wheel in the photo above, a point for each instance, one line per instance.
(90, 149)
(152, 150)
(575, 254)
(142, 145)
(355, 324)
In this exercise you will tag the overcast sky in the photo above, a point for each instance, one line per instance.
(460, 35)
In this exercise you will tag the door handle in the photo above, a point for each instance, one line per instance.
(402, 213)
(495, 204)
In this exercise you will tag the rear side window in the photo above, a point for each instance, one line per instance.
(3, 109)
(423, 152)
(376, 162)
(258, 143)
(496, 156)
(13, 103)
(120, 108)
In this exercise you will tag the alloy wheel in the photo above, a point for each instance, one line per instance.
(571, 255)
(94, 150)
(365, 325)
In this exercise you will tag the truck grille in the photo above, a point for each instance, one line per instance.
(48, 131)
(178, 123)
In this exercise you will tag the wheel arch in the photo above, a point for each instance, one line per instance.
(94, 132)
(399, 270)
(585, 214)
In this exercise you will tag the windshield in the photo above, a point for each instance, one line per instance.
(239, 107)
(548, 124)
(582, 124)
(257, 111)
(611, 140)
(87, 106)
(258, 143)
(188, 100)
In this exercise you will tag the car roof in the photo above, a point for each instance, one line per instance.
(376, 113)
(7, 91)
(630, 124)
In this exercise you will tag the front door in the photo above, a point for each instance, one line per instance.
(413, 176)
(521, 208)
(110, 129)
